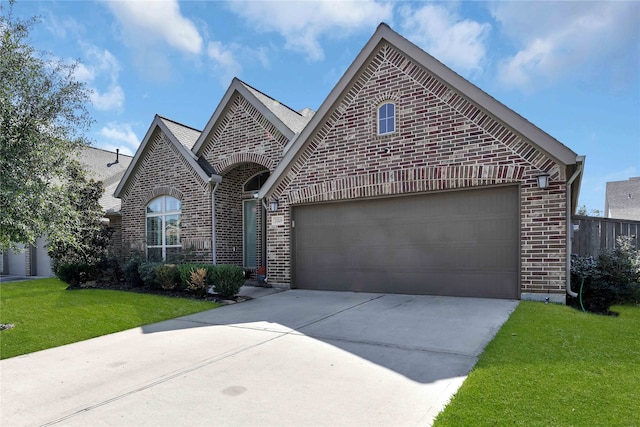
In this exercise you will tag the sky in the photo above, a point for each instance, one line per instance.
(570, 68)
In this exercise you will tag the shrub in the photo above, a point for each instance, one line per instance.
(228, 279)
(167, 276)
(198, 281)
(612, 278)
(147, 272)
(130, 272)
(75, 273)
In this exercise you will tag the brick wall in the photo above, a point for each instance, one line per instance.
(243, 144)
(442, 141)
(162, 171)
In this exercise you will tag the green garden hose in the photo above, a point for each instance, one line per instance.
(581, 285)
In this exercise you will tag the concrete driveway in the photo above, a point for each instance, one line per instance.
(295, 358)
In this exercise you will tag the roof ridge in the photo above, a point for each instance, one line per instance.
(105, 150)
(270, 97)
(178, 123)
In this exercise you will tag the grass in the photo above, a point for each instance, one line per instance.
(552, 365)
(46, 315)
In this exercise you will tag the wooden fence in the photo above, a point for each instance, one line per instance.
(591, 234)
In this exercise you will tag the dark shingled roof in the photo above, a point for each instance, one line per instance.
(101, 165)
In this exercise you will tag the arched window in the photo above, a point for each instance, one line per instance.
(386, 118)
(256, 182)
(163, 228)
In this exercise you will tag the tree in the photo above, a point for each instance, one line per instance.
(43, 117)
(91, 234)
(585, 211)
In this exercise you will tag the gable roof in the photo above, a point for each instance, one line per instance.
(622, 199)
(286, 120)
(165, 125)
(540, 139)
(101, 165)
(186, 135)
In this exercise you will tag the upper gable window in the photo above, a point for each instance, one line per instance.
(386, 118)
(255, 183)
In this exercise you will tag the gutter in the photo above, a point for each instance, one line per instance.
(213, 218)
(579, 170)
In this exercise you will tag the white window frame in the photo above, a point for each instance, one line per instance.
(163, 214)
(395, 114)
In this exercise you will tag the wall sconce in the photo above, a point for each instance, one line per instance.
(543, 180)
(273, 205)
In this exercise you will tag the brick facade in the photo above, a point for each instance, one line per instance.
(442, 142)
(162, 171)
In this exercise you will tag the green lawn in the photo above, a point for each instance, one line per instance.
(46, 315)
(551, 365)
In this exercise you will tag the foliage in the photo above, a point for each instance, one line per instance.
(43, 116)
(585, 211)
(45, 315)
(167, 276)
(91, 235)
(130, 272)
(550, 365)
(228, 279)
(198, 282)
(75, 273)
(147, 271)
(611, 278)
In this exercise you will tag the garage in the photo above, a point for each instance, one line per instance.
(457, 243)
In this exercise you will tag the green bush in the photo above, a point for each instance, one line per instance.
(613, 277)
(76, 274)
(130, 272)
(185, 270)
(167, 276)
(228, 279)
(147, 272)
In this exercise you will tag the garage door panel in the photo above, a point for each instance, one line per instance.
(457, 243)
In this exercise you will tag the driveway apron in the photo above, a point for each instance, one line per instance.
(295, 358)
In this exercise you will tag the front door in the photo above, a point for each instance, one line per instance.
(249, 232)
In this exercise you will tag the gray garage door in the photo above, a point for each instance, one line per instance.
(459, 243)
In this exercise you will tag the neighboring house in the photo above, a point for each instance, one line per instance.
(622, 199)
(408, 179)
(101, 165)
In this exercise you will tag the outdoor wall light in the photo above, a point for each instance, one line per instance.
(543, 181)
(273, 205)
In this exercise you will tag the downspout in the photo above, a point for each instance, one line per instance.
(213, 219)
(580, 161)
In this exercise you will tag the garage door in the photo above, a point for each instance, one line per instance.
(459, 243)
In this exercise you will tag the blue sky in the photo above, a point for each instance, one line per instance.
(571, 68)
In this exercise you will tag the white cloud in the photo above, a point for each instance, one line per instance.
(302, 24)
(115, 134)
(584, 40)
(224, 60)
(457, 42)
(101, 69)
(146, 22)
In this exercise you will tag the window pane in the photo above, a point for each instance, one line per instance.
(155, 206)
(154, 231)
(174, 255)
(173, 204)
(390, 124)
(154, 254)
(172, 224)
(383, 126)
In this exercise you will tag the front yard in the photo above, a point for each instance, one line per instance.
(45, 315)
(552, 365)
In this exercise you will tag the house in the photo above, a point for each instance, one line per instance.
(101, 165)
(622, 199)
(408, 179)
